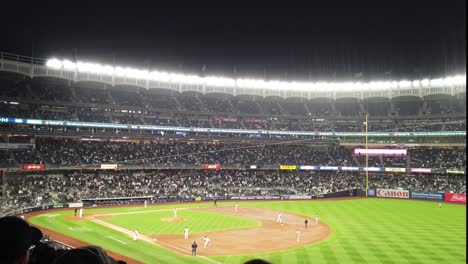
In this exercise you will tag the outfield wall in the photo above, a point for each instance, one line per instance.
(418, 195)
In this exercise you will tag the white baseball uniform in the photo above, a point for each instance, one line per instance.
(207, 242)
(237, 208)
(186, 233)
(280, 218)
(440, 205)
(297, 235)
(146, 204)
(316, 218)
(81, 212)
(175, 213)
(135, 235)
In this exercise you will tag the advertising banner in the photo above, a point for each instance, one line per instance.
(455, 171)
(211, 166)
(455, 197)
(225, 119)
(108, 166)
(75, 205)
(421, 170)
(395, 169)
(385, 152)
(350, 168)
(372, 169)
(288, 167)
(328, 167)
(435, 196)
(393, 193)
(33, 167)
(307, 167)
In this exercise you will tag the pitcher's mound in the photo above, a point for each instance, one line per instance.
(173, 219)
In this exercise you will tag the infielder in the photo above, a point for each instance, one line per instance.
(81, 212)
(175, 212)
(298, 234)
(186, 233)
(316, 218)
(237, 208)
(280, 218)
(207, 242)
(135, 235)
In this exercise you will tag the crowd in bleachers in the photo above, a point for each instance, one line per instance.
(71, 152)
(38, 189)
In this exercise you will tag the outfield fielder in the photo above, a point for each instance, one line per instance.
(440, 205)
(146, 204)
(316, 218)
(207, 242)
(237, 208)
(135, 235)
(186, 233)
(280, 218)
(175, 212)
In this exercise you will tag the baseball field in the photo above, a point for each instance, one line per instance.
(368, 230)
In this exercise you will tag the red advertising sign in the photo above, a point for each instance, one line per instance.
(211, 166)
(393, 193)
(455, 197)
(33, 167)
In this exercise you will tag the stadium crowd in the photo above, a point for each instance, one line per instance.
(55, 188)
(71, 152)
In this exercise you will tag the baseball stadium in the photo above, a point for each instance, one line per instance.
(131, 170)
(236, 134)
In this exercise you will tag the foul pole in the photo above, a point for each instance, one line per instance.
(367, 157)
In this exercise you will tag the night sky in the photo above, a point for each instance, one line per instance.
(330, 40)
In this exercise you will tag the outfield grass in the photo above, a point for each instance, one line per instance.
(363, 231)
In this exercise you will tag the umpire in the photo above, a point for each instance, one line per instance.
(306, 222)
(194, 248)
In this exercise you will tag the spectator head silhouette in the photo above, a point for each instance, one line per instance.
(88, 255)
(16, 240)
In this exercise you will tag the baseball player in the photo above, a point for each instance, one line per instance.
(298, 234)
(306, 222)
(135, 235)
(175, 212)
(316, 218)
(146, 204)
(280, 218)
(440, 205)
(237, 208)
(194, 248)
(207, 242)
(186, 233)
(81, 212)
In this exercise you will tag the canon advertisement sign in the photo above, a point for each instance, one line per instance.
(393, 193)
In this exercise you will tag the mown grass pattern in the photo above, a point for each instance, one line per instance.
(363, 231)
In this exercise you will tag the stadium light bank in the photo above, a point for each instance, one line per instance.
(173, 77)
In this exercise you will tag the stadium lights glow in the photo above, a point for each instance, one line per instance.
(247, 83)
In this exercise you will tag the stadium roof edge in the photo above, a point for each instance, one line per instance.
(106, 74)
